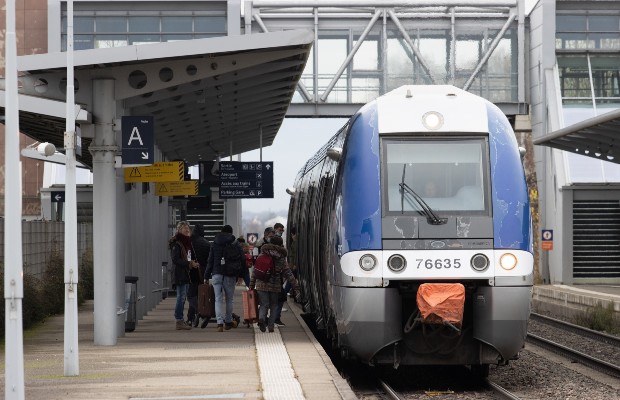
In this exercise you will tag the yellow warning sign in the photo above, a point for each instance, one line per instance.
(183, 188)
(171, 171)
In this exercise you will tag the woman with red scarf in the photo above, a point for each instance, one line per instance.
(183, 258)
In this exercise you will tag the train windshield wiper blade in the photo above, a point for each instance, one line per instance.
(427, 211)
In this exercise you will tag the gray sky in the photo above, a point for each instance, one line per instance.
(297, 140)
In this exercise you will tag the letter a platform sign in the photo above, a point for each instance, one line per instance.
(138, 140)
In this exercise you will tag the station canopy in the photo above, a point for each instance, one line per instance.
(209, 97)
(597, 137)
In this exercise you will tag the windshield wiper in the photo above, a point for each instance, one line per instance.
(426, 210)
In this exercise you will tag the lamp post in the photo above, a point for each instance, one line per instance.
(13, 256)
(71, 349)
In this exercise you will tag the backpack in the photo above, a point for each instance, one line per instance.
(233, 262)
(263, 267)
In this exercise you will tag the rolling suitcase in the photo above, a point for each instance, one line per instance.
(250, 307)
(206, 301)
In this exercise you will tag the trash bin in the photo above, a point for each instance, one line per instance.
(131, 296)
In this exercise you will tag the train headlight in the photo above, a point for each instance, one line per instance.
(479, 262)
(432, 120)
(508, 261)
(368, 262)
(397, 263)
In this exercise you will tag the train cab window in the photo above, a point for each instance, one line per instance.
(449, 174)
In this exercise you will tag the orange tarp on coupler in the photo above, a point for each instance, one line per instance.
(439, 302)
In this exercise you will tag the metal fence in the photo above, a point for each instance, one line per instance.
(40, 238)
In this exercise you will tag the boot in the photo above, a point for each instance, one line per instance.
(261, 325)
(181, 325)
(271, 328)
(196, 320)
(220, 327)
(232, 324)
(205, 321)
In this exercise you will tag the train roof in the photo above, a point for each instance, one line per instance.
(432, 108)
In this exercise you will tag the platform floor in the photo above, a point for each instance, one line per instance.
(570, 301)
(158, 362)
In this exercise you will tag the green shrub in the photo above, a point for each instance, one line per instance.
(600, 318)
(86, 284)
(33, 309)
(54, 287)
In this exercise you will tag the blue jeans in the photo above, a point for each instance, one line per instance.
(224, 286)
(181, 295)
(268, 302)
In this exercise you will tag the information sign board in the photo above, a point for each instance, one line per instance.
(182, 188)
(138, 134)
(58, 197)
(171, 171)
(246, 179)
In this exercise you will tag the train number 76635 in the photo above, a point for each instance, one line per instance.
(438, 263)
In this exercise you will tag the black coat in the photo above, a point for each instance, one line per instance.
(202, 248)
(178, 254)
(214, 266)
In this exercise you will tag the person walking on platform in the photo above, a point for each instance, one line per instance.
(268, 291)
(268, 234)
(183, 259)
(248, 260)
(278, 229)
(292, 251)
(224, 265)
(201, 250)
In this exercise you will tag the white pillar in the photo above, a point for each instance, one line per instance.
(106, 280)
(71, 347)
(13, 256)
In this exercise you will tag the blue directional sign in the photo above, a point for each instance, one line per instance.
(246, 179)
(138, 140)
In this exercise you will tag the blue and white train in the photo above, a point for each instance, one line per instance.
(424, 185)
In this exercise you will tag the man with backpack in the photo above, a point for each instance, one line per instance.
(225, 266)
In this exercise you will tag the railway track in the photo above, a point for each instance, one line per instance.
(498, 391)
(580, 330)
(592, 362)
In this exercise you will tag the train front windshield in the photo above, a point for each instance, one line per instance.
(449, 174)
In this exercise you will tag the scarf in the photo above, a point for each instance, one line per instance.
(186, 241)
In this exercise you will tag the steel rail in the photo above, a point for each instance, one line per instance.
(592, 362)
(497, 389)
(590, 333)
(390, 392)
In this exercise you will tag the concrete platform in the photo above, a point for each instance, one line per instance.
(571, 301)
(158, 362)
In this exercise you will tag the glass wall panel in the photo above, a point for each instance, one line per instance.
(174, 38)
(574, 79)
(111, 24)
(434, 50)
(399, 63)
(144, 24)
(606, 77)
(570, 23)
(144, 39)
(176, 24)
(210, 24)
(108, 41)
(365, 89)
(603, 23)
(367, 56)
(81, 42)
(332, 53)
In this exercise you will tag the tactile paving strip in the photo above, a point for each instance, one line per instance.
(276, 373)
